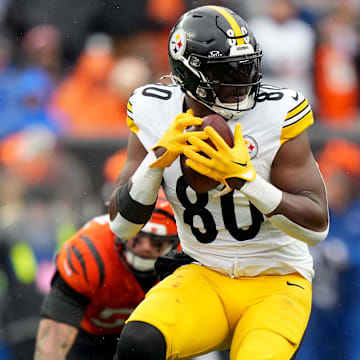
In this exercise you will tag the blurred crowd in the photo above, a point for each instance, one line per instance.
(66, 71)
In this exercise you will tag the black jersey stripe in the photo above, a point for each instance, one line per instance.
(130, 116)
(79, 256)
(298, 119)
(97, 257)
(68, 257)
(129, 107)
(298, 105)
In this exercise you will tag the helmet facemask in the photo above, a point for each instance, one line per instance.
(228, 85)
(147, 264)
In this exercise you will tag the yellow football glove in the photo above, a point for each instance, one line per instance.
(224, 162)
(175, 140)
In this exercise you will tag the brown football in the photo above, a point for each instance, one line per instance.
(201, 183)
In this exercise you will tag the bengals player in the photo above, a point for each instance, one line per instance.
(99, 280)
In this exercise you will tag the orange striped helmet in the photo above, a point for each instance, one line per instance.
(162, 224)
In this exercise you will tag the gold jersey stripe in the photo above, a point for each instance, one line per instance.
(131, 125)
(297, 110)
(129, 107)
(234, 25)
(293, 130)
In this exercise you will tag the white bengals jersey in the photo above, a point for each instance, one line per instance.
(228, 234)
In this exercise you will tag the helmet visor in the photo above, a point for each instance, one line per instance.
(238, 72)
(232, 80)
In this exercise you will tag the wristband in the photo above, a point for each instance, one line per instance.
(135, 206)
(265, 196)
(146, 181)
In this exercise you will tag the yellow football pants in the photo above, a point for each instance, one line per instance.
(199, 310)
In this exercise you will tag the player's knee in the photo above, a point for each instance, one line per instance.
(262, 344)
(139, 341)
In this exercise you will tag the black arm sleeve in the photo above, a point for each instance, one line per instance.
(130, 209)
(63, 303)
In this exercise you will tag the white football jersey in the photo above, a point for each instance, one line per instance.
(229, 234)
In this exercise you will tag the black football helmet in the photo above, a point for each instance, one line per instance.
(215, 59)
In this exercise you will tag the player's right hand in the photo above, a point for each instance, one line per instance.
(174, 141)
(223, 162)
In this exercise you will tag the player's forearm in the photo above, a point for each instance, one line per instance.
(302, 216)
(54, 340)
(132, 204)
(303, 209)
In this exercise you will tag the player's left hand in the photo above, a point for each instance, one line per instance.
(175, 138)
(223, 162)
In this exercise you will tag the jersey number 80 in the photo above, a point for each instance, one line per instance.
(228, 213)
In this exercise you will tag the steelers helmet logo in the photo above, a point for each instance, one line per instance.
(251, 145)
(177, 44)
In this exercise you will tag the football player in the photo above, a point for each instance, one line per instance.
(247, 286)
(98, 282)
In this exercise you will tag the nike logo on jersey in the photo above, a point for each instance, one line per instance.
(296, 97)
(241, 164)
(292, 284)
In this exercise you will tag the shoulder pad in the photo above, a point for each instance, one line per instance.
(151, 109)
(80, 262)
(299, 115)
